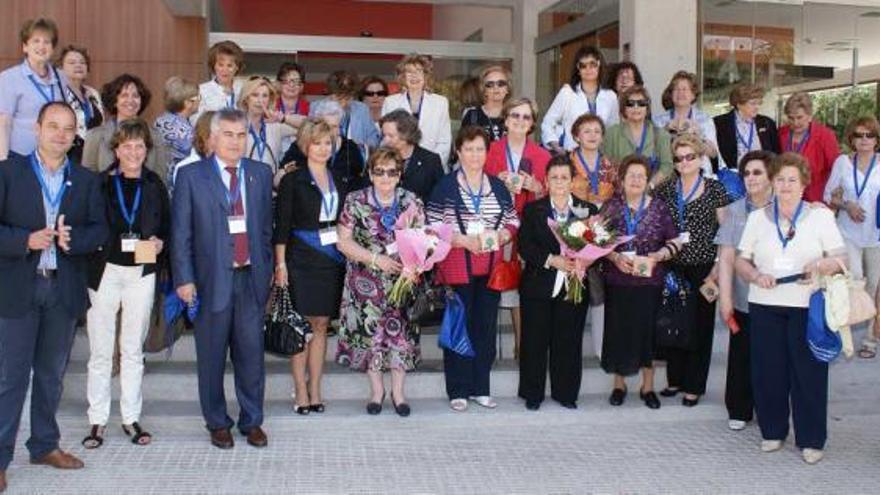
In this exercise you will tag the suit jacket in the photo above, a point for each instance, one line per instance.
(22, 212)
(536, 243)
(725, 126)
(201, 245)
(423, 171)
(433, 121)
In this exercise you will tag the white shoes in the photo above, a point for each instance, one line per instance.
(485, 400)
(458, 405)
(770, 445)
(736, 424)
(812, 456)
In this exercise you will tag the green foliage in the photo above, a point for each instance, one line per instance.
(835, 108)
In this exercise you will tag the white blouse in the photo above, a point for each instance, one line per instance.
(214, 97)
(865, 234)
(570, 104)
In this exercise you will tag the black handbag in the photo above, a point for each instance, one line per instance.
(285, 332)
(428, 305)
(678, 310)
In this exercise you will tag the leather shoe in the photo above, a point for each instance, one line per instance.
(60, 460)
(690, 402)
(568, 404)
(222, 439)
(257, 437)
(669, 392)
(618, 395)
(650, 399)
(2, 481)
(533, 405)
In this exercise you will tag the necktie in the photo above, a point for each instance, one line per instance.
(240, 252)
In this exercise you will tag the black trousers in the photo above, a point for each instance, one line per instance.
(688, 369)
(738, 394)
(551, 328)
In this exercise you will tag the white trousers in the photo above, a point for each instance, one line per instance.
(125, 287)
(865, 263)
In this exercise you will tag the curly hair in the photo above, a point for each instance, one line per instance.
(110, 92)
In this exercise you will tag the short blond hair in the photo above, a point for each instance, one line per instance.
(251, 86)
(310, 131)
(798, 101)
(422, 61)
(744, 92)
(691, 141)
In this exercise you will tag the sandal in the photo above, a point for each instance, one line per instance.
(138, 436)
(95, 438)
(868, 350)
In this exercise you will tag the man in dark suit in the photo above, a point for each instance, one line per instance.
(742, 129)
(221, 255)
(51, 220)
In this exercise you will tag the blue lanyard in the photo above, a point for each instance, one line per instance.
(48, 97)
(333, 153)
(561, 217)
(129, 216)
(672, 113)
(591, 105)
(327, 204)
(344, 125)
(592, 174)
(681, 200)
(512, 167)
(259, 140)
(477, 198)
(747, 144)
(632, 222)
(387, 216)
(231, 102)
(801, 144)
(84, 104)
(54, 201)
(784, 239)
(231, 196)
(855, 163)
(409, 101)
(297, 108)
(643, 139)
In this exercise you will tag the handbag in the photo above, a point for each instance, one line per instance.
(453, 331)
(285, 332)
(824, 344)
(850, 302)
(506, 274)
(732, 182)
(428, 305)
(678, 310)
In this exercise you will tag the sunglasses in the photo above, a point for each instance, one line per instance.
(391, 173)
(293, 81)
(520, 116)
(756, 173)
(637, 103)
(375, 94)
(495, 84)
(588, 65)
(865, 135)
(681, 158)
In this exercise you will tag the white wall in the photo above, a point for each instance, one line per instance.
(456, 22)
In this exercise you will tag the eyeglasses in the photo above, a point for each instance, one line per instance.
(865, 135)
(637, 103)
(501, 83)
(681, 158)
(756, 173)
(391, 173)
(293, 81)
(592, 64)
(375, 94)
(520, 116)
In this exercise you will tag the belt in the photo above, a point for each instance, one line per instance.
(241, 268)
(325, 225)
(47, 273)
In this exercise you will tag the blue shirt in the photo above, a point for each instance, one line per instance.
(21, 101)
(54, 181)
(361, 128)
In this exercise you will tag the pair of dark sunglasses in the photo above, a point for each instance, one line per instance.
(637, 103)
(376, 93)
(865, 135)
(756, 173)
(688, 157)
(391, 173)
(495, 84)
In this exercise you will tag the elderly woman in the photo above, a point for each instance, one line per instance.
(733, 300)
(682, 115)
(124, 98)
(173, 126)
(355, 122)
(123, 276)
(636, 134)
(26, 87)
(225, 61)
(495, 83)
(628, 343)
(551, 325)
(266, 126)
(201, 145)
(806, 136)
(291, 102)
(623, 75)
(742, 129)
(481, 210)
(422, 169)
(309, 203)
(85, 100)
(374, 90)
(415, 73)
(375, 334)
(789, 237)
(857, 177)
(583, 94)
(345, 159)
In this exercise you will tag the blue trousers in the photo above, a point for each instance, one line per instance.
(238, 332)
(39, 341)
(467, 377)
(783, 371)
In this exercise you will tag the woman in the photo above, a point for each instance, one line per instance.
(26, 87)
(415, 73)
(636, 134)
(291, 103)
(421, 168)
(806, 136)
(583, 94)
(495, 84)
(682, 115)
(355, 123)
(628, 342)
(375, 334)
(225, 61)
(345, 159)
(74, 62)
(550, 323)
(308, 207)
(201, 144)
(742, 129)
(623, 75)
(123, 276)
(733, 300)
(173, 127)
(521, 164)
(697, 204)
(374, 90)
(858, 177)
(481, 210)
(267, 127)
(788, 237)
(124, 98)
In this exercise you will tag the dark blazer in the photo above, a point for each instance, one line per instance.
(201, 245)
(536, 242)
(22, 212)
(725, 130)
(153, 219)
(423, 171)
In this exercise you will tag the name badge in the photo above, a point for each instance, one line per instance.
(515, 182)
(684, 237)
(391, 249)
(129, 242)
(783, 266)
(629, 254)
(475, 228)
(328, 236)
(237, 224)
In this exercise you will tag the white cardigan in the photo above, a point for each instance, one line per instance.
(568, 106)
(433, 121)
(214, 97)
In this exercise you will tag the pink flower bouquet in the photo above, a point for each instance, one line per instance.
(419, 248)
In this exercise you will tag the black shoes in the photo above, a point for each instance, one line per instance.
(669, 392)
(374, 408)
(568, 404)
(618, 395)
(401, 409)
(650, 399)
(317, 408)
(533, 405)
(690, 402)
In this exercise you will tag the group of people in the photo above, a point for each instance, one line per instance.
(242, 184)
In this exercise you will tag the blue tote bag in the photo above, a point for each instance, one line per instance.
(453, 330)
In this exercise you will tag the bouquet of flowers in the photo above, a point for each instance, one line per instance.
(585, 240)
(419, 248)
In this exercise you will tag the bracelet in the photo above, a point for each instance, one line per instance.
(373, 260)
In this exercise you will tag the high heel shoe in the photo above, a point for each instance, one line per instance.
(301, 410)
(374, 408)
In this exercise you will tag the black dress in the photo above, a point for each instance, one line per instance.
(492, 126)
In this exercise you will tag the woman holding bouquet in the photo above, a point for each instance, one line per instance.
(635, 275)
(481, 211)
(375, 334)
(550, 322)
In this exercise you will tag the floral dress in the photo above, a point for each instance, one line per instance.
(374, 335)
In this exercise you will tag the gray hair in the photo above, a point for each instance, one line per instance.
(325, 107)
(407, 125)
(227, 115)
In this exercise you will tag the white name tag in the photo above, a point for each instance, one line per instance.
(391, 249)
(129, 242)
(328, 236)
(475, 228)
(237, 224)
(629, 254)
(684, 237)
(783, 266)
